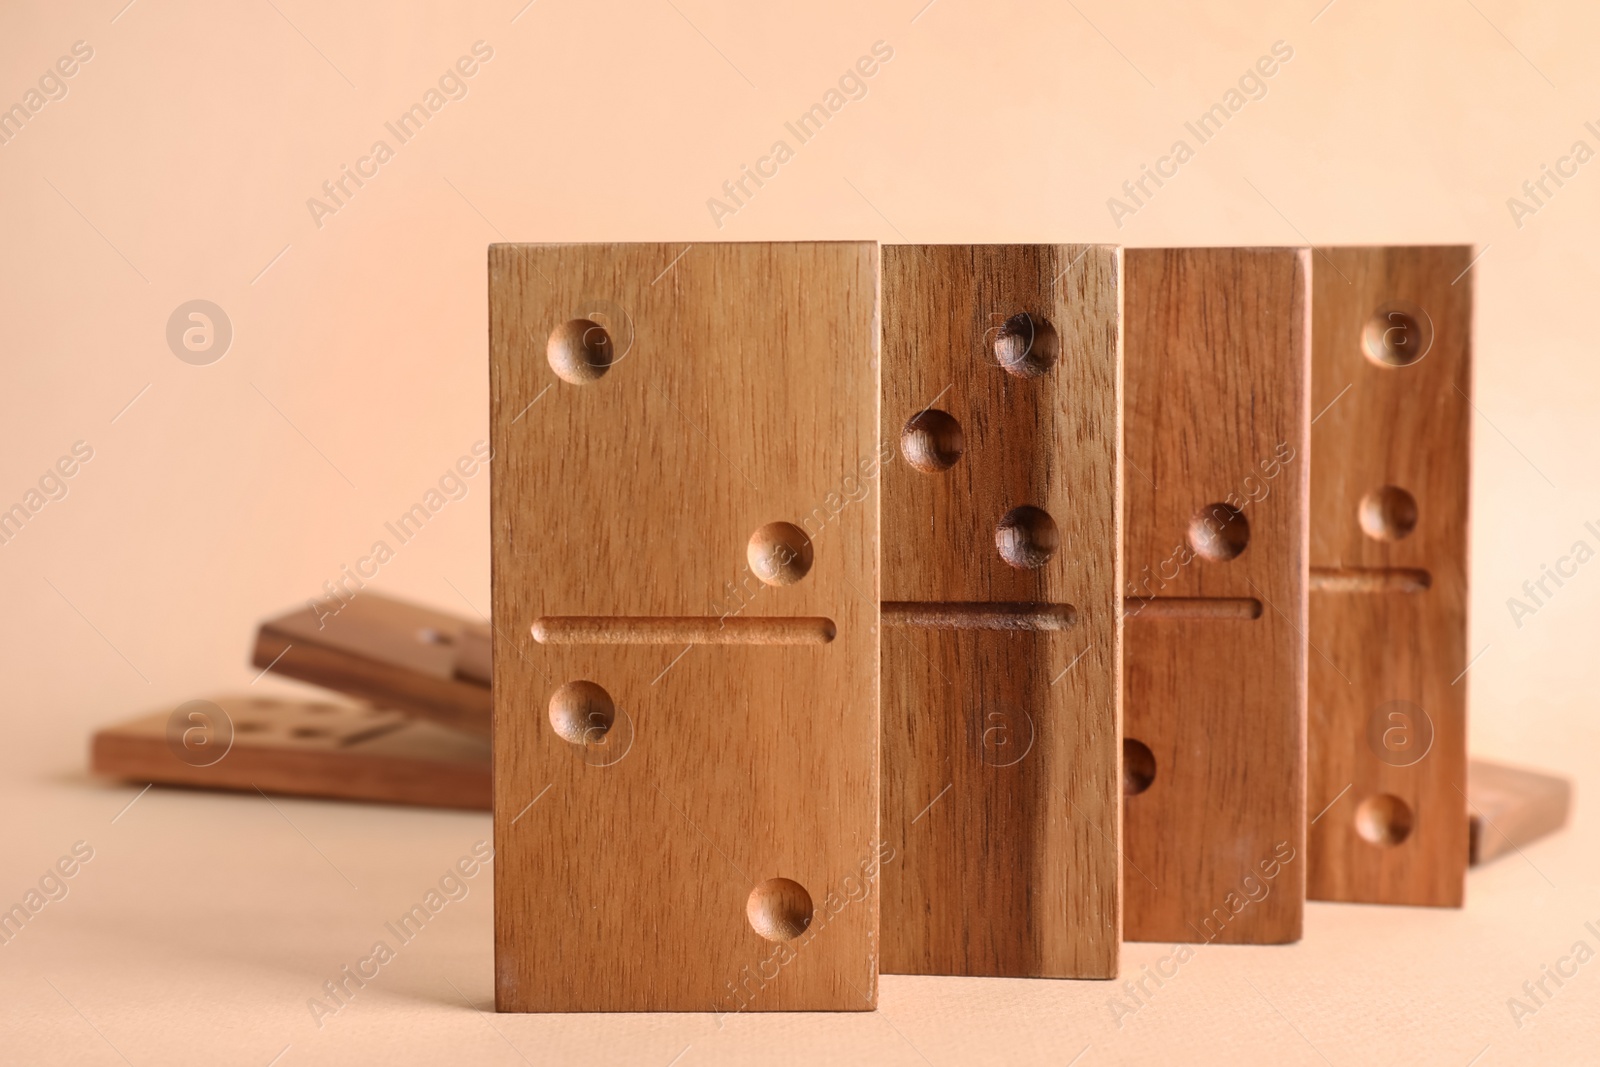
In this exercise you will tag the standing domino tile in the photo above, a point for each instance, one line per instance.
(1392, 381)
(1214, 681)
(1002, 610)
(685, 616)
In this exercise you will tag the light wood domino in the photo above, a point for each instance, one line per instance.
(1214, 701)
(740, 388)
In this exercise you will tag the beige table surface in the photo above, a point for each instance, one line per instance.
(178, 165)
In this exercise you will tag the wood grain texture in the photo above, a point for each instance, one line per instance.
(390, 652)
(1000, 693)
(310, 748)
(1512, 807)
(741, 389)
(1216, 398)
(1386, 667)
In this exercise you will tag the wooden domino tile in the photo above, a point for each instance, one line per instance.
(1511, 807)
(386, 651)
(1002, 610)
(1390, 457)
(311, 748)
(686, 787)
(1215, 437)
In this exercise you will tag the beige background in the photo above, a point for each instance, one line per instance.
(178, 166)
